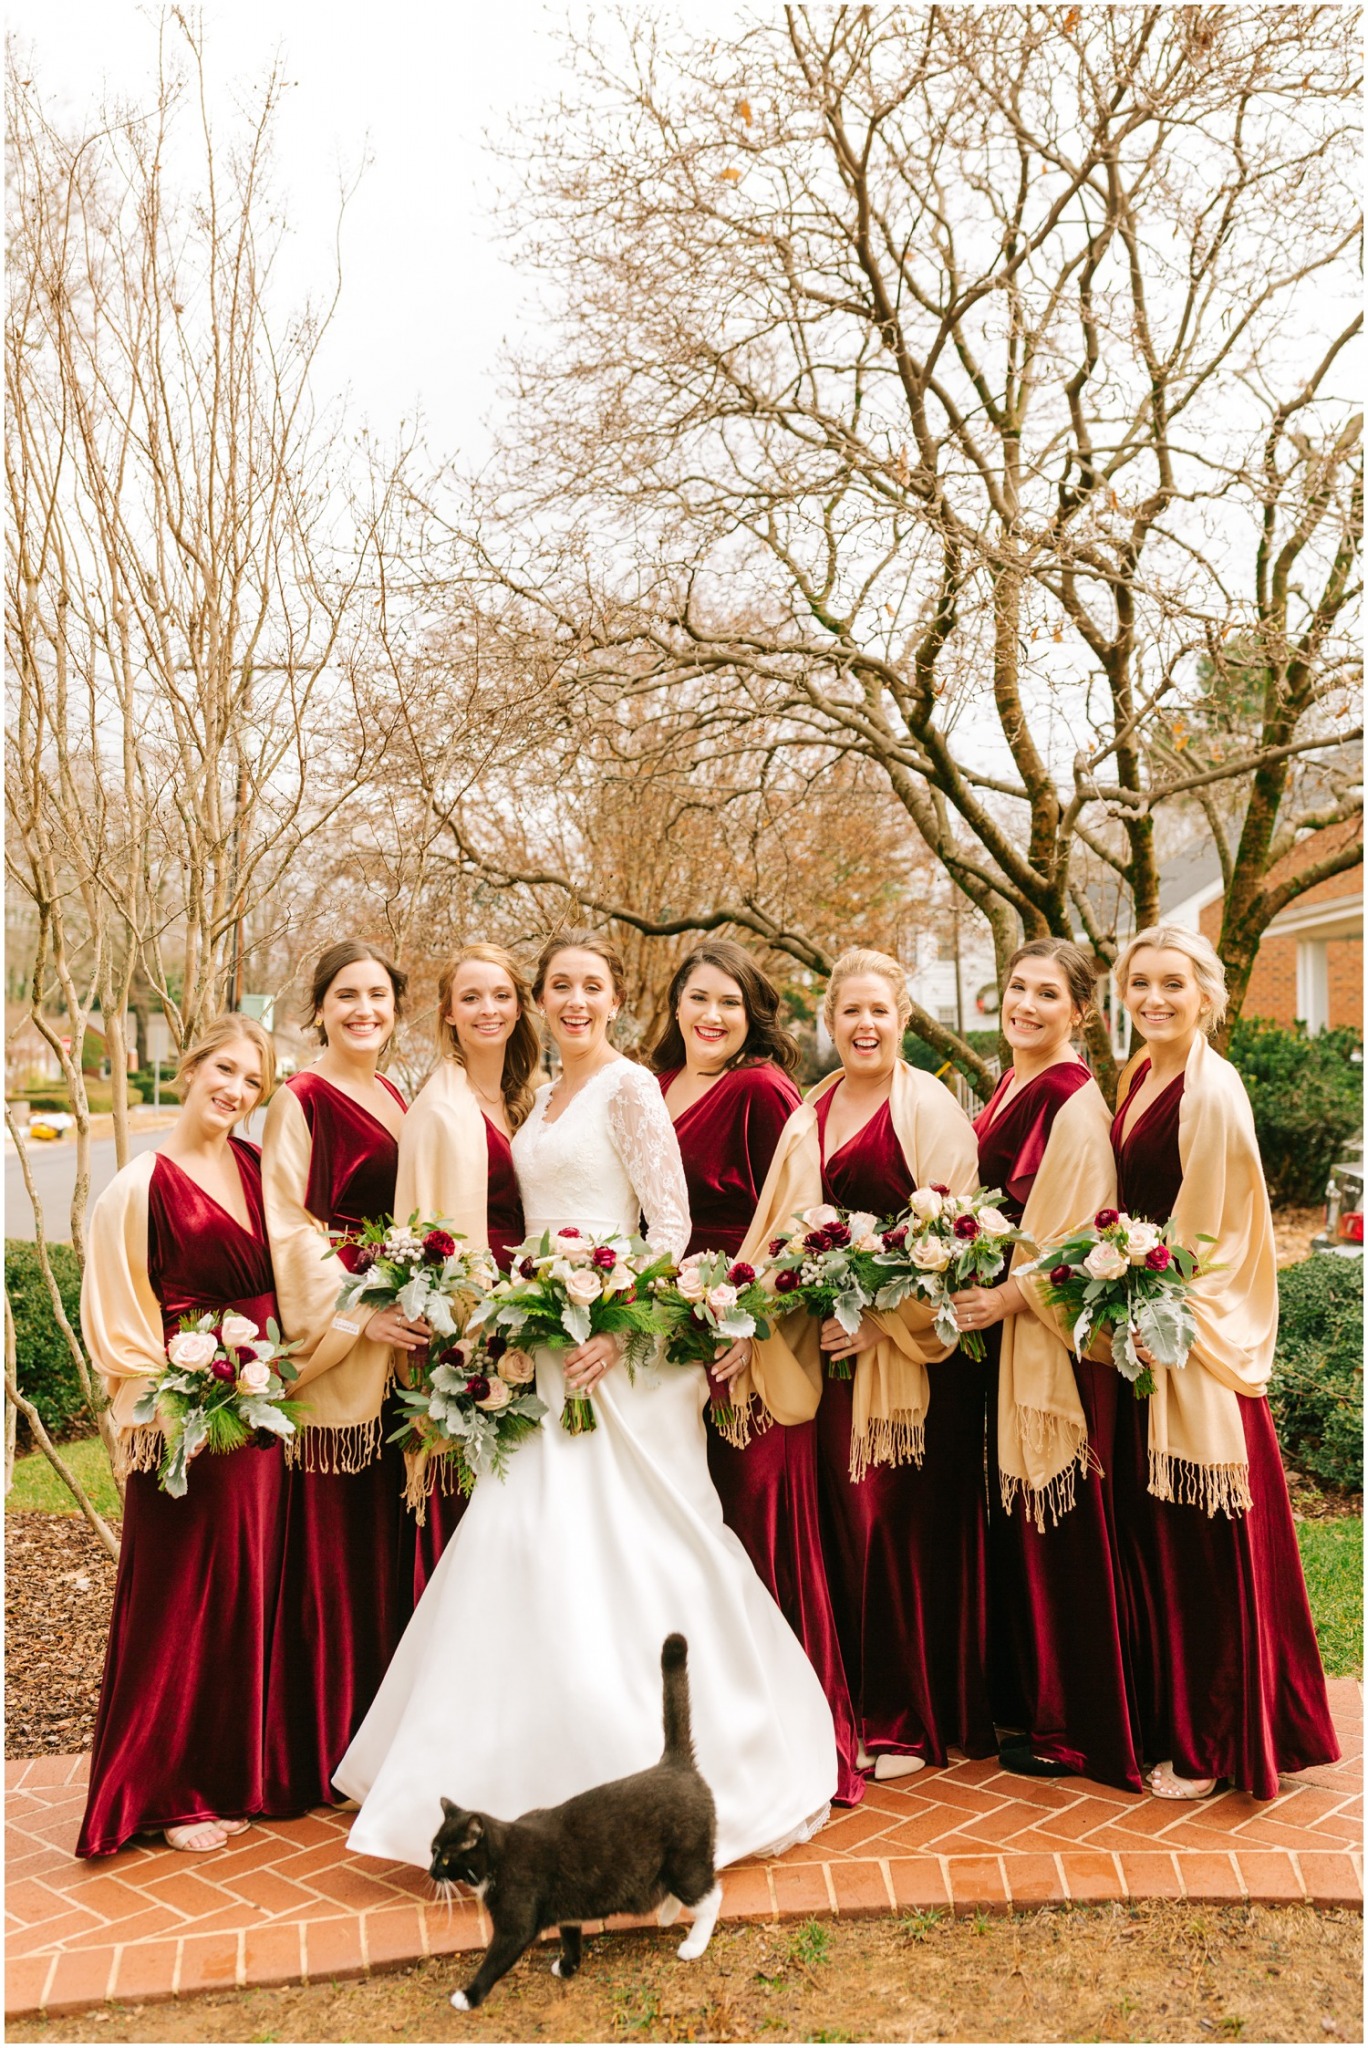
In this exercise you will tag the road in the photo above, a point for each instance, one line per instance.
(54, 1172)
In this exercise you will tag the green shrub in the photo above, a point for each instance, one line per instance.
(918, 1053)
(46, 1373)
(1316, 1392)
(1307, 1098)
(99, 1096)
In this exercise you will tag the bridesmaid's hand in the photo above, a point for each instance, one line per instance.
(837, 1344)
(589, 1362)
(730, 1362)
(978, 1308)
(392, 1326)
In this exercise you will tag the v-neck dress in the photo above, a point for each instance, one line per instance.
(182, 1726)
(906, 1546)
(1059, 1663)
(1224, 1650)
(347, 1589)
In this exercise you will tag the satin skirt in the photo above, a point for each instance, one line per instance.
(768, 1493)
(182, 1728)
(1059, 1664)
(906, 1551)
(346, 1595)
(531, 1670)
(430, 1539)
(1227, 1669)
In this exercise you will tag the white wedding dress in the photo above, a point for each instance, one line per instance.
(531, 1668)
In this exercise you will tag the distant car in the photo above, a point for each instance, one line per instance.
(49, 1123)
(1343, 1230)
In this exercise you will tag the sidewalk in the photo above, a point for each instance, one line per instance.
(287, 1903)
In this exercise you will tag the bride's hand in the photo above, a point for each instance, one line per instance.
(733, 1360)
(589, 1362)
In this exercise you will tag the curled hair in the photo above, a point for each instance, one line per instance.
(766, 1038)
(1207, 970)
(332, 961)
(864, 960)
(581, 942)
(229, 1029)
(522, 1053)
(1079, 974)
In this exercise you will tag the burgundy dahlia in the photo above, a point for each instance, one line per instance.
(894, 1240)
(740, 1275)
(569, 1231)
(363, 1258)
(527, 1269)
(453, 1355)
(604, 1257)
(776, 1245)
(816, 1241)
(478, 1388)
(496, 1345)
(837, 1236)
(966, 1227)
(223, 1369)
(785, 1282)
(1160, 1259)
(938, 1187)
(437, 1246)
(1060, 1275)
(1105, 1218)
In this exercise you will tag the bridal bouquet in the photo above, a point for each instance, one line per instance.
(832, 1262)
(1121, 1273)
(946, 1242)
(567, 1286)
(469, 1408)
(222, 1380)
(422, 1269)
(711, 1302)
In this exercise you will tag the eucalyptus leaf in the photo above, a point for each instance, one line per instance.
(261, 1415)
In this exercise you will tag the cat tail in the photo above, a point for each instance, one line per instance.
(674, 1659)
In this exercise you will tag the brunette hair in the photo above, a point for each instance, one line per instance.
(349, 953)
(864, 960)
(1207, 971)
(581, 942)
(522, 1053)
(227, 1030)
(766, 1038)
(1079, 973)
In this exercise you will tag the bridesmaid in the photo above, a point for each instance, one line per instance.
(900, 1445)
(329, 1160)
(181, 1231)
(455, 1156)
(1228, 1673)
(1057, 1652)
(725, 1063)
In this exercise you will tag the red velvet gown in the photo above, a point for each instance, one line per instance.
(906, 1547)
(347, 1588)
(768, 1490)
(181, 1731)
(1224, 1650)
(504, 1223)
(1058, 1659)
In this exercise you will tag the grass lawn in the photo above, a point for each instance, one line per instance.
(38, 1490)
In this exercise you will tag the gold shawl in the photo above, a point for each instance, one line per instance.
(121, 1318)
(345, 1374)
(1042, 1431)
(891, 1389)
(1196, 1434)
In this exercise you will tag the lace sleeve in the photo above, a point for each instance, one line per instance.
(644, 1138)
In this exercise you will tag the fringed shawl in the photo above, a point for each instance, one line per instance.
(121, 1318)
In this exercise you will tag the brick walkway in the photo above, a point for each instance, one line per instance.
(286, 1902)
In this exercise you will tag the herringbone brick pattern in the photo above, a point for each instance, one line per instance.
(286, 1901)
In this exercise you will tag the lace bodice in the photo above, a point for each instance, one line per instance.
(608, 1159)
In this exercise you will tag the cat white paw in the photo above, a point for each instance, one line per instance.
(460, 2001)
(668, 1911)
(689, 1951)
(556, 1967)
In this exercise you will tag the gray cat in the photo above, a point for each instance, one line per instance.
(638, 1845)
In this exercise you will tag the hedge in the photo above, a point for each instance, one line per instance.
(1317, 1388)
(1307, 1098)
(46, 1373)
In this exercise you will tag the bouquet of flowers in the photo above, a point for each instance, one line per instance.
(567, 1286)
(711, 1302)
(943, 1243)
(471, 1406)
(1121, 1273)
(832, 1263)
(222, 1380)
(422, 1269)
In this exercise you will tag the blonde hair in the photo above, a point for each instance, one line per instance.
(227, 1030)
(522, 1054)
(864, 960)
(1207, 971)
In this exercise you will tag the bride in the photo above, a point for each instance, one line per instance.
(531, 1668)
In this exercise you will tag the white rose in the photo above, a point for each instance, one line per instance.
(862, 1224)
(559, 1269)
(254, 1378)
(1105, 1262)
(721, 1298)
(619, 1280)
(929, 1254)
(818, 1218)
(870, 1242)
(192, 1350)
(570, 1247)
(499, 1395)
(583, 1286)
(694, 1259)
(926, 1203)
(691, 1283)
(263, 1348)
(993, 1223)
(1141, 1238)
(238, 1331)
(517, 1367)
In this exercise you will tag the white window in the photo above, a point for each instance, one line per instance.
(1313, 984)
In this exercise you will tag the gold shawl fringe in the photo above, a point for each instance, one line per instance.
(427, 1470)
(1057, 1447)
(739, 1421)
(1215, 1489)
(140, 1450)
(898, 1439)
(319, 1449)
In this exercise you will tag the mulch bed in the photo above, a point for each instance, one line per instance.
(59, 1589)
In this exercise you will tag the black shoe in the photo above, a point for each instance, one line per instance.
(1024, 1762)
